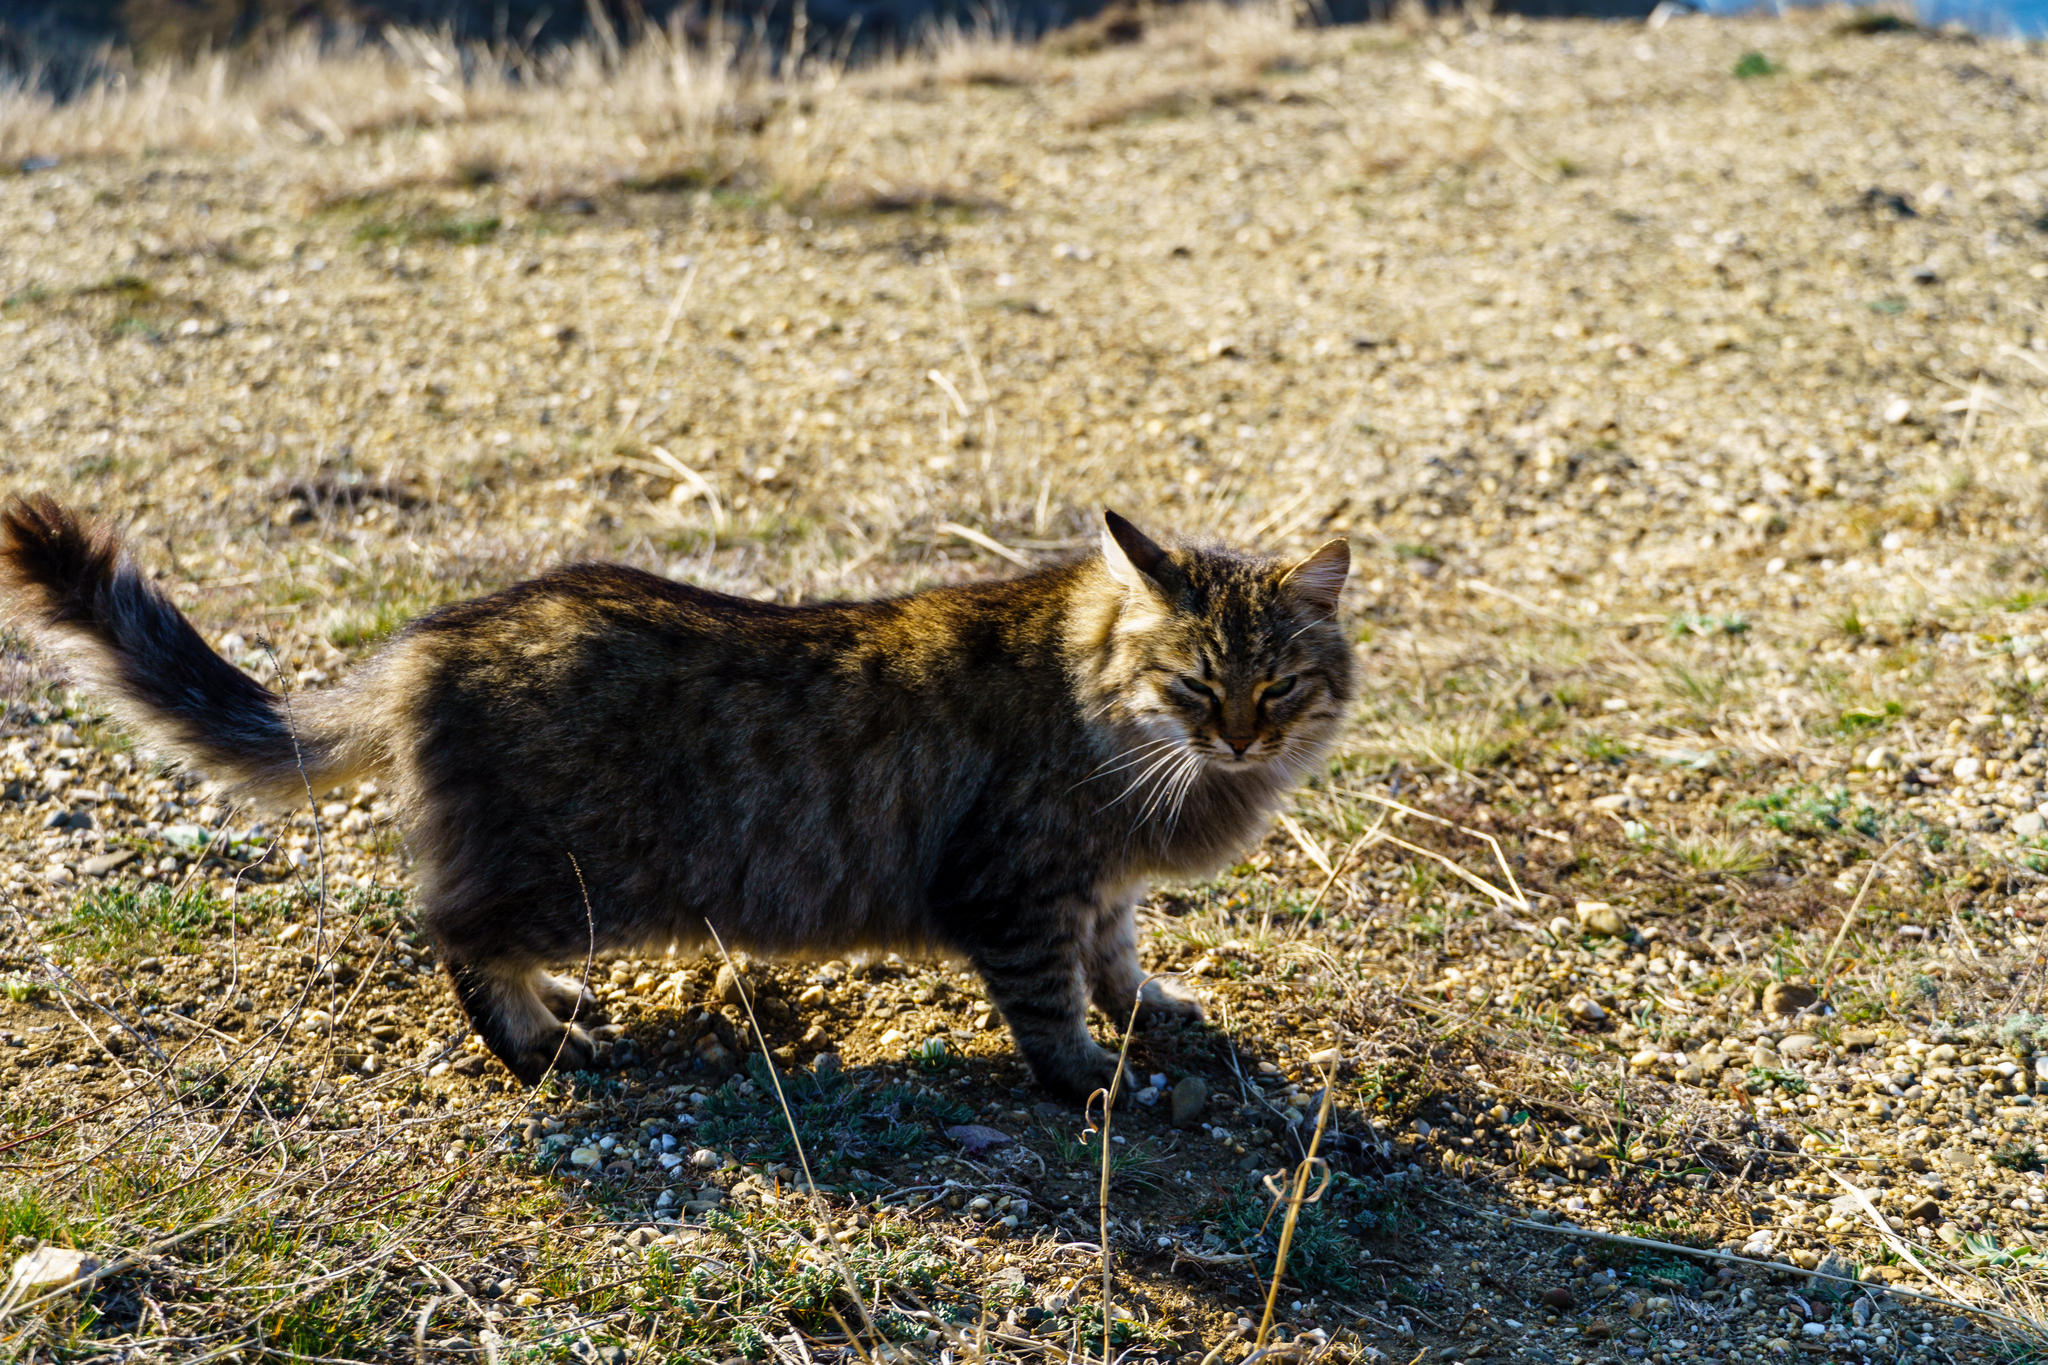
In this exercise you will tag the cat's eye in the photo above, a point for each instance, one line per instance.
(1199, 688)
(1281, 688)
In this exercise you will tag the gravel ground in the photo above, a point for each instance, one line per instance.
(1685, 867)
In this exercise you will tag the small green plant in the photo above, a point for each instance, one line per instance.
(1670, 1270)
(1887, 306)
(349, 627)
(1750, 65)
(1791, 1082)
(1124, 1331)
(1695, 623)
(1604, 748)
(1321, 1256)
(1701, 691)
(2018, 1156)
(1732, 855)
(21, 990)
(1131, 1168)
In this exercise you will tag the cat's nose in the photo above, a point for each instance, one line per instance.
(1238, 746)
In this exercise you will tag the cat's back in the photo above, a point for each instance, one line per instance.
(803, 761)
(607, 642)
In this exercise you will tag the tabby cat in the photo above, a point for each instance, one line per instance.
(600, 760)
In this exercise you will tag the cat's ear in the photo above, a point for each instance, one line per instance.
(1133, 559)
(1319, 579)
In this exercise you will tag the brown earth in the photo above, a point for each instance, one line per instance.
(1687, 427)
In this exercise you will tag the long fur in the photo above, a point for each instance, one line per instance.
(70, 584)
(992, 771)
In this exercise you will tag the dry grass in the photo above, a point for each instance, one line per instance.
(1573, 334)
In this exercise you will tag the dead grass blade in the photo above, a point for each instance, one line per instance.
(1513, 898)
(1309, 1164)
(818, 1210)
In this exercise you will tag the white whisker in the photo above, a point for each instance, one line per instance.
(1141, 780)
(1132, 756)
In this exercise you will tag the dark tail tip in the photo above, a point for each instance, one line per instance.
(53, 564)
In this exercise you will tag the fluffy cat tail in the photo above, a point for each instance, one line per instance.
(70, 583)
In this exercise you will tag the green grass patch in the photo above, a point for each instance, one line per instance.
(1751, 65)
(25, 1212)
(1732, 855)
(2018, 1156)
(352, 627)
(763, 1275)
(125, 919)
(1604, 748)
(1131, 1167)
(841, 1124)
(1862, 720)
(1813, 811)
(1324, 1254)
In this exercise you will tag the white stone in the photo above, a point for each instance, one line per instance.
(1969, 769)
(1600, 918)
(2029, 825)
(45, 1269)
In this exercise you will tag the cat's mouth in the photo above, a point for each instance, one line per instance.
(1228, 753)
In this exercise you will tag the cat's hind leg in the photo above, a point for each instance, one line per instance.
(508, 1007)
(1115, 978)
(567, 998)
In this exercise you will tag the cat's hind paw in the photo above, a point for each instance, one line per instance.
(569, 1048)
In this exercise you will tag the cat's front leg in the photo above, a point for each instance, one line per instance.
(1036, 975)
(1116, 980)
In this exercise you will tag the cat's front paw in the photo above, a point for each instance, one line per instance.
(1167, 1001)
(1077, 1074)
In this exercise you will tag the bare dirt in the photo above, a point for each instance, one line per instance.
(1681, 393)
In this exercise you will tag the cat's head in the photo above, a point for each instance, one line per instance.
(1236, 659)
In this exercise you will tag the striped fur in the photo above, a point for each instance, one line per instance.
(992, 771)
